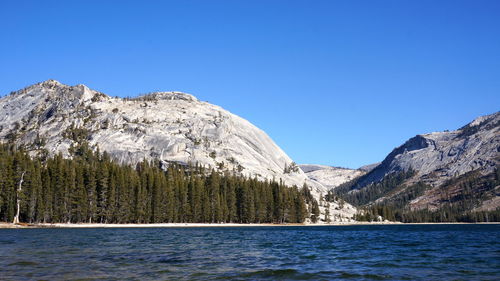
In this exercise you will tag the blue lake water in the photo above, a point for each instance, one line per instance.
(391, 252)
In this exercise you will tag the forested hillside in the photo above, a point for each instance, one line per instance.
(436, 177)
(49, 118)
(91, 188)
(458, 200)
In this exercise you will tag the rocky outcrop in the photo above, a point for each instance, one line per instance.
(368, 168)
(440, 156)
(328, 176)
(457, 169)
(172, 127)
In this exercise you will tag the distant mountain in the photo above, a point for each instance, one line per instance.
(329, 176)
(369, 167)
(172, 127)
(439, 156)
(457, 170)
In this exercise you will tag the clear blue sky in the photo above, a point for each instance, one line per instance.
(332, 82)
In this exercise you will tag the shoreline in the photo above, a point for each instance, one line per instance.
(5, 225)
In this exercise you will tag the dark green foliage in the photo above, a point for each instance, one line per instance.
(448, 213)
(315, 212)
(92, 188)
(78, 135)
(292, 168)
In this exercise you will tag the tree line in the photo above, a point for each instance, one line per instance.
(91, 188)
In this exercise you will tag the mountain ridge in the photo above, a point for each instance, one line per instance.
(172, 127)
(330, 176)
(445, 151)
(455, 171)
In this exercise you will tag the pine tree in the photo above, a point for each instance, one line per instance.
(315, 212)
(90, 184)
(102, 189)
(327, 213)
(79, 196)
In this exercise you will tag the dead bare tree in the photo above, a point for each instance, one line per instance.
(19, 189)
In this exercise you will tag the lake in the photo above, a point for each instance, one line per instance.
(373, 252)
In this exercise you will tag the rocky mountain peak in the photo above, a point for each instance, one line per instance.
(51, 84)
(452, 170)
(170, 127)
(482, 123)
(485, 119)
(439, 156)
(54, 91)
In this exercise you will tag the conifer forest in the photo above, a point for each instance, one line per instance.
(91, 188)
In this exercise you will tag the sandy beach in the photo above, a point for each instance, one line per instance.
(152, 225)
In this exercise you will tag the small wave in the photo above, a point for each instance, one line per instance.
(170, 260)
(308, 257)
(356, 276)
(23, 263)
(277, 274)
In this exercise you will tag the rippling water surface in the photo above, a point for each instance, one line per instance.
(392, 252)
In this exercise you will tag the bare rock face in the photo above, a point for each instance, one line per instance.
(440, 156)
(368, 168)
(172, 127)
(453, 167)
(330, 177)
